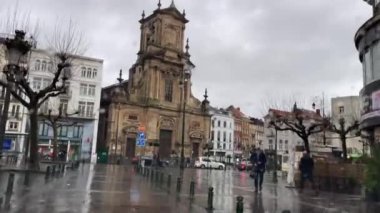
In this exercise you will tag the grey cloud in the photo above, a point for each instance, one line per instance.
(243, 50)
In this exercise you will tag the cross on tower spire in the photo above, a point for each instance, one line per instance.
(159, 4)
(120, 79)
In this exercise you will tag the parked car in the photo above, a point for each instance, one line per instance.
(244, 165)
(205, 162)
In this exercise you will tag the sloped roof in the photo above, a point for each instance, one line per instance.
(236, 112)
(300, 112)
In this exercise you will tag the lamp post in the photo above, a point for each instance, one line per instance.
(275, 158)
(119, 91)
(323, 115)
(185, 84)
(17, 47)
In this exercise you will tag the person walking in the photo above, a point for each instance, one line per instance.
(259, 161)
(306, 167)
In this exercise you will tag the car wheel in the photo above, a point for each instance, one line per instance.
(220, 167)
(203, 166)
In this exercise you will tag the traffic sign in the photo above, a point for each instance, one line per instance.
(140, 139)
(7, 144)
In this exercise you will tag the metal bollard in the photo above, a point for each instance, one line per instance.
(58, 169)
(157, 175)
(72, 165)
(53, 170)
(147, 173)
(169, 181)
(192, 189)
(239, 204)
(210, 198)
(47, 172)
(63, 168)
(151, 175)
(179, 184)
(11, 179)
(162, 178)
(26, 180)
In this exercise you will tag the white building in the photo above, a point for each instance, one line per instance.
(83, 95)
(347, 107)
(222, 134)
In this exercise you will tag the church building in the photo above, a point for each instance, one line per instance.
(154, 111)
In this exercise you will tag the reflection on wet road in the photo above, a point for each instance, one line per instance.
(111, 188)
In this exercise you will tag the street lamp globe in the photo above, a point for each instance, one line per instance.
(17, 48)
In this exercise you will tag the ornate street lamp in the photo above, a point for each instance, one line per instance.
(186, 75)
(17, 48)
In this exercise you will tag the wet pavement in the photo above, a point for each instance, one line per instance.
(113, 188)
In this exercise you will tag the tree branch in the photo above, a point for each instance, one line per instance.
(14, 93)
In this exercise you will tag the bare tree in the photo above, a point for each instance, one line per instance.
(64, 46)
(343, 129)
(57, 119)
(303, 123)
(344, 125)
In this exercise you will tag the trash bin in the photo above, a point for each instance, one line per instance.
(102, 157)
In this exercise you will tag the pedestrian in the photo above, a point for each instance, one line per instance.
(306, 167)
(258, 160)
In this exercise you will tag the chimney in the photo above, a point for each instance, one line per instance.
(318, 111)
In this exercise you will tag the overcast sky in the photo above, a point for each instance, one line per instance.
(244, 50)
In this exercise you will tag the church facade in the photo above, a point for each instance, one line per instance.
(156, 100)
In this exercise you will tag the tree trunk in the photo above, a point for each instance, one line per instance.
(34, 156)
(344, 146)
(306, 143)
(55, 142)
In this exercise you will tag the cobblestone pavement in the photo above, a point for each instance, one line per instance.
(112, 188)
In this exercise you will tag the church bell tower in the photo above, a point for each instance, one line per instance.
(163, 67)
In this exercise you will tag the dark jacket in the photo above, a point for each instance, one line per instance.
(258, 161)
(306, 165)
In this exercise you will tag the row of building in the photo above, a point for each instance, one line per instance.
(77, 140)
(154, 110)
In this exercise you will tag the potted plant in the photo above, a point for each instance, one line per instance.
(372, 176)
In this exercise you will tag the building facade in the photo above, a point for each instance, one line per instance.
(256, 131)
(222, 134)
(348, 108)
(242, 133)
(158, 103)
(368, 46)
(77, 139)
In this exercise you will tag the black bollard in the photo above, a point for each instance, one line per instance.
(169, 181)
(63, 168)
(192, 189)
(26, 180)
(53, 170)
(72, 165)
(286, 211)
(47, 172)
(239, 204)
(58, 169)
(179, 184)
(157, 175)
(11, 179)
(210, 198)
(151, 174)
(147, 173)
(161, 178)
